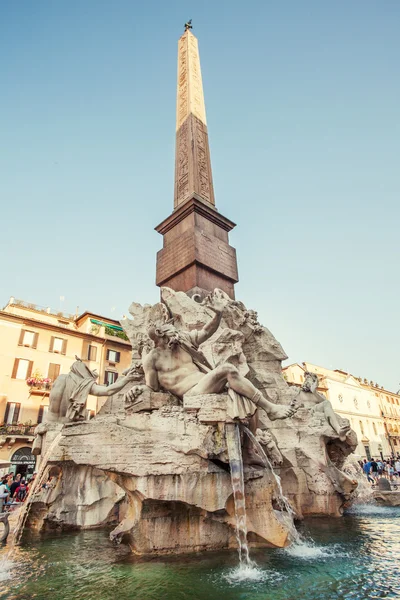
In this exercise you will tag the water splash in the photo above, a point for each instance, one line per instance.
(287, 514)
(236, 465)
(308, 550)
(364, 493)
(372, 509)
(5, 568)
(250, 573)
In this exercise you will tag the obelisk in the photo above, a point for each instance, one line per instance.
(196, 256)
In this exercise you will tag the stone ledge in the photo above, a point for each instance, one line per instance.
(210, 408)
(148, 401)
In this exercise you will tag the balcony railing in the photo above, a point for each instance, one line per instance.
(17, 429)
(40, 387)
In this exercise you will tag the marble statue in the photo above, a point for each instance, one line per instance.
(177, 365)
(154, 461)
(309, 388)
(69, 393)
(68, 397)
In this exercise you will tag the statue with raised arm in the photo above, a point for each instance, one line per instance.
(176, 365)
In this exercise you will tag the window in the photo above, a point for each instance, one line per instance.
(28, 338)
(42, 413)
(113, 356)
(361, 427)
(92, 352)
(54, 371)
(58, 345)
(110, 377)
(22, 368)
(355, 401)
(12, 413)
(375, 431)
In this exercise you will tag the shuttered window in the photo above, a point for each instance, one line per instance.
(113, 356)
(54, 371)
(110, 377)
(42, 413)
(28, 338)
(22, 368)
(58, 345)
(11, 414)
(92, 352)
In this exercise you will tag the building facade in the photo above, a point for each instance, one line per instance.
(36, 346)
(371, 415)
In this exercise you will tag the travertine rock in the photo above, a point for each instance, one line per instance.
(387, 498)
(167, 457)
(78, 497)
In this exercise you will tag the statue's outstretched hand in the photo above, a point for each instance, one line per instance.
(134, 373)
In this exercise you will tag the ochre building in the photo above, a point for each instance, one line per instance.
(36, 346)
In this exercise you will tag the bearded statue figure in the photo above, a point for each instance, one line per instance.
(177, 365)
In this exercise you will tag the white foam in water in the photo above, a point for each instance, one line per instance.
(369, 509)
(250, 572)
(309, 551)
(5, 569)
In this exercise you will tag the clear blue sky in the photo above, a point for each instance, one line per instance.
(302, 105)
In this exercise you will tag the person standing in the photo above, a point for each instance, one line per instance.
(397, 466)
(374, 469)
(367, 469)
(14, 485)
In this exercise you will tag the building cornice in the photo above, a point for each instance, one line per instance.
(62, 330)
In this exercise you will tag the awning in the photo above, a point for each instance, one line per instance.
(102, 324)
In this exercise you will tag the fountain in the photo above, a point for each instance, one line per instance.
(166, 468)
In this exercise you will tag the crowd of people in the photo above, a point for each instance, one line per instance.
(375, 469)
(14, 488)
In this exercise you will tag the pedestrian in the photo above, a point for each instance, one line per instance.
(374, 469)
(21, 491)
(4, 492)
(367, 469)
(397, 467)
(15, 485)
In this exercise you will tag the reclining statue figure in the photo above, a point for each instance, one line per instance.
(177, 365)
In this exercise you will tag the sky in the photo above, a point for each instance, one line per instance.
(302, 104)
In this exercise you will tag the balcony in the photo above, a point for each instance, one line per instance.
(38, 384)
(21, 430)
(41, 390)
(12, 434)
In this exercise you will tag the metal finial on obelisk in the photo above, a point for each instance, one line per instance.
(188, 25)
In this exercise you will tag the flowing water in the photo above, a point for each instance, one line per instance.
(233, 443)
(287, 513)
(355, 557)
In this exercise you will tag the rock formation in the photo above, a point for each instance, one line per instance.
(157, 463)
